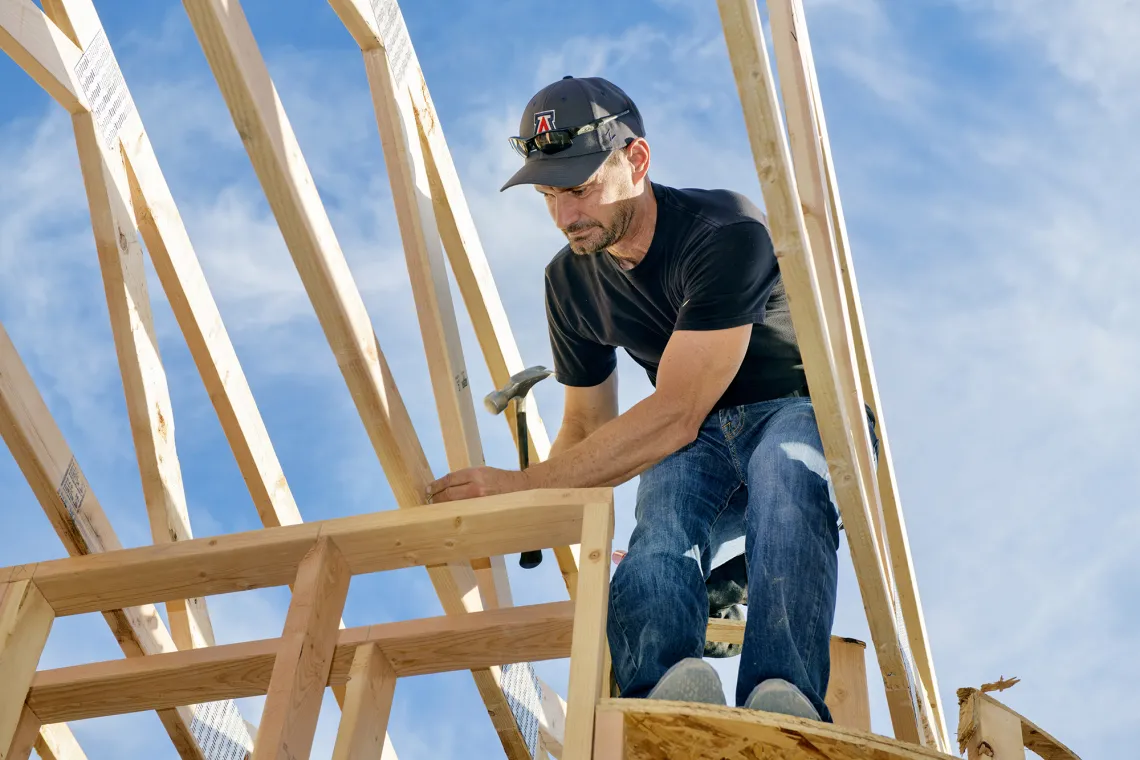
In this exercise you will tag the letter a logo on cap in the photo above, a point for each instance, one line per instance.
(543, 122)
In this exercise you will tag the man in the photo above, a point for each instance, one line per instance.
(687, 283)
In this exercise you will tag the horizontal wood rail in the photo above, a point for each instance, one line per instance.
(433, 535)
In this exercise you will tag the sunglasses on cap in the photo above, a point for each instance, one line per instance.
(557, 140)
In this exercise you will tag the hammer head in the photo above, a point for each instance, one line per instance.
(517, 387)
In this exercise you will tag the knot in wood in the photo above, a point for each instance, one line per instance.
(595, 555)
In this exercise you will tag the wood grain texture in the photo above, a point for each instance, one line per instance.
(25, 621)
(792, 44)
(452, 532)
(1033, 737)
(136, 346)
(987, 730)
(56, 742)
(587, 655)
(232, 671)
(847, 696)
(367, 706)
(40, 48)
(661, 730)
(757, 90)
(24, 738)
(304, 656)
(47, 462)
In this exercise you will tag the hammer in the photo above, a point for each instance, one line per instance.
(496, 402)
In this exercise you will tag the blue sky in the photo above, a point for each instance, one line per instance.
(984, 154)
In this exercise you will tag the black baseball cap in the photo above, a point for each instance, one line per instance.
(576, 102)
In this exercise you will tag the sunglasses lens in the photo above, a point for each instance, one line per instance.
(519, 144)
(554, 141)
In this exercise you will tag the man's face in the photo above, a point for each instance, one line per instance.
(596, 214)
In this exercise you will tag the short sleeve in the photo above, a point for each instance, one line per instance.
(728, 278)
(578, 361)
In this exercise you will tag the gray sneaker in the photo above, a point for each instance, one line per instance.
(690, 680)
(778, 696)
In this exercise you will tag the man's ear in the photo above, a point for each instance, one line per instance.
(637, 153)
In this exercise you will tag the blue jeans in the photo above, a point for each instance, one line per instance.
(759, 470)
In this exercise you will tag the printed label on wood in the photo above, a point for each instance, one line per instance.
(102, 83)
(394, 34)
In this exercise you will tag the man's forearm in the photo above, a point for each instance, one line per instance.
(615, 452)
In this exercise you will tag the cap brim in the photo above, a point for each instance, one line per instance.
(570, 171)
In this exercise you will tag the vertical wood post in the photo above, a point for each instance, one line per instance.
(24, 740)
(609, 735)
(367, 706)
(588, 649)
(301, 670)
(988, 731)
(847, 694)
(25, 620)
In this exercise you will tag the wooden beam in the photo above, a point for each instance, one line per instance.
(73, 509)
(589, 649)
(35, 44)
(898, 543)
(364, 722)
(451, 532)
(193, 305)
(609, 735)
(24, 737)
(654, 729)
(975, 706)
(132, 326)
(989, 731)
(757, 89)
(304, 655)
(55, 742)
(232, 671)
(457, 229)
(25, 620)
(552, 720)
(440, 331)
(847, 696)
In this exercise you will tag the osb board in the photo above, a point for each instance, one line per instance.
(660, 730)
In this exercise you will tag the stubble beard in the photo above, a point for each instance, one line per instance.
(611, 235)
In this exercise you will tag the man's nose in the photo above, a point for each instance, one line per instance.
(565, 212)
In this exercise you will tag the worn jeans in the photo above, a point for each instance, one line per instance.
(756, 469)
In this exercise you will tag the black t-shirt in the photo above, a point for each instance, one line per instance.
(710, 266)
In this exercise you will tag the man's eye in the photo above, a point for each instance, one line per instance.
(579, 192)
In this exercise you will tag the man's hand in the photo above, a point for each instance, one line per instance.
(476, 481)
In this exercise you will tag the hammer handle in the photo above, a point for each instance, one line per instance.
(529, 559)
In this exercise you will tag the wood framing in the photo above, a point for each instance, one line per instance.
(24, 737)
(25, 620)
(815, 176)
(58, 482)
(984, 720)
(304, 656)
(371, 687)
(652, 729)
(55, 742)
(446, 533)
(233, 671)
(756, 87)
(589, 649)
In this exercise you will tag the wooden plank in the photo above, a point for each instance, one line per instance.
(609, 735)
(55, 742)
(895, 525)
(847, 696)
(446, 533)
(753, 74)
(1033, 737)
(552, 720)
(136, 345)
(460, 239)
(73, 509)
(587, 654)
(304, 655)
(232, 671)
(440, 332)
(25, 736)
(25, 620)
(364, 722)
(987, 730)
(658, 729)
(34, 43)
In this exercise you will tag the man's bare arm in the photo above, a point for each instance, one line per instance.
(695, 370)
(585, 410)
